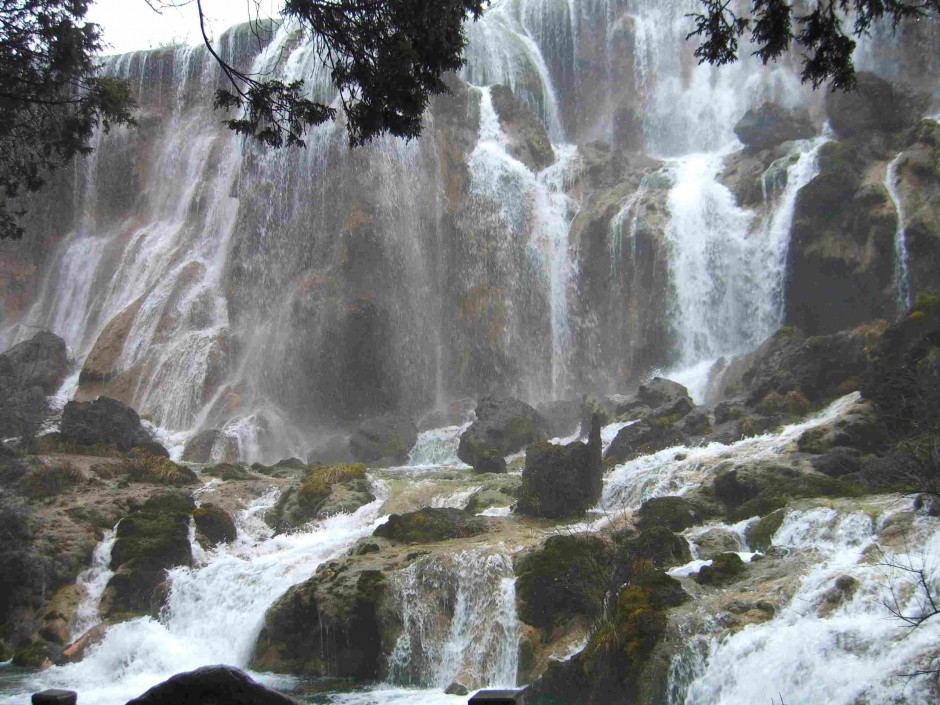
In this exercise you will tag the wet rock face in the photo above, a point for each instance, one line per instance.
(673, 513)
(642, 438)
(221, 684)
(503, 426)
(29, 372)
(876, 104)
(388, 437)
(149, 542)
(770, 125)
(105, 422)
(528, 140)
(562, 481)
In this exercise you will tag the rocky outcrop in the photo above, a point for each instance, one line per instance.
(874, 105)
(30, 372)
(149, 542)
(220, 684)
(101, 373)
(503, 426)
(525, 133)
(321, 492)
(387, 437)
(642, 438)
(430, 525)
(106, 422)
(770, 125)
(673, 513)
(562, 481)
(211, 446)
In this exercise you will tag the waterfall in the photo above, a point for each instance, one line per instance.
(901, 257)
(459, 622)
(94, 580)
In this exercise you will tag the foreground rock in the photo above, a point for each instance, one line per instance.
(29, 373)
(387, 437)
(214, 525)
(563, 481)
(106, 422)
(430, 525)
(212, 684)
(503, 426)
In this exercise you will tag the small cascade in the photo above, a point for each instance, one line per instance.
(627, 486)
(829, 645)
(214, 611)
(94, 580)
(438, 447)
(460, 623)
(901, 256)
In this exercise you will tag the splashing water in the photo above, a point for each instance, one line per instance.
(94, 580)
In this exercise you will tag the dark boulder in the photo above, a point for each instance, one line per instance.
(771, 125)
(503, 426)
(642, 438)
(724, 569)
(430, 525)
(875, 104)
(214, 525)
(674, 513)
(105, 422)
(387, 437)
(149, 542)
(656, 544)
(29, 373)
(562, 481)
(838, 463)
(42, 361)
(210, 446)
(660, 392)
(212, 684)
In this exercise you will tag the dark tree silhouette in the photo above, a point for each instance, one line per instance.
(51, 96)
(819, 32)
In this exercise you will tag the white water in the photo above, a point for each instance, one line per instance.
(674, 471)
(94, 580)
(214, 612)
(815, 651)
(437, 447)
(901, 256)
(471, 593)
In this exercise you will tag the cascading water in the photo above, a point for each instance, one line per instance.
(459, 622)
(214, 611)
(832, 645)
(901, 256)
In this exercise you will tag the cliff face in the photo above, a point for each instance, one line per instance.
(550, 234)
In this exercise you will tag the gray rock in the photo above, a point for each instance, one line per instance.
(771, 125)
(212, 684)
(503, 425)
(210, 446)
(387, 436)
(875, 104)
(106, 422)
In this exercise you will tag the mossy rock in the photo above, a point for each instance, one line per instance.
(725, 568)
(35, 654)
(618, 648)
(566, 577)
(674, 513)
(229, 472)
(663, 590)
(214, 525)
(430, 525)
(323, 490)
(656, 544)
(760, 534)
